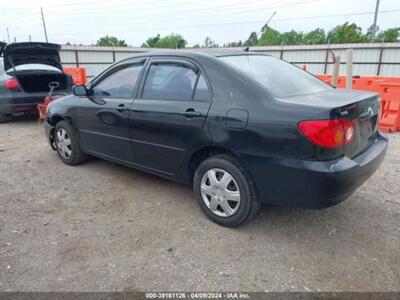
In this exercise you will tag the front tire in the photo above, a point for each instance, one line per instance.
(225, 191)
(67, 144)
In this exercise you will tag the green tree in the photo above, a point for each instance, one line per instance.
(317, 36)
(168, 41)
(151, 42)
(252, 40)
(346, 33)
(292, 38)
(110, 41)
(196, 45)
(270, 37)
(389, 35)
(234, 44)
(172, 41)
(209, 43)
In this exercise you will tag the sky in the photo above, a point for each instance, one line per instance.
(84, 21)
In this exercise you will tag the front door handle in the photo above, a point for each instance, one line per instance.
(191, 113)
(122, 108)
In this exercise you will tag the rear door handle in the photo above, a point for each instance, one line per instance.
(190, 113)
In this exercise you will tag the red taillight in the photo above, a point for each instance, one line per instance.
(11, 84)
(328, 133)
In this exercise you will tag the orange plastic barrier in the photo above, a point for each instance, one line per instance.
(42, 107)
(390, 118)
(389, 90)
(78, 74)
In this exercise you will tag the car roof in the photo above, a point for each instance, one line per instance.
(219, 51)
(195, 53)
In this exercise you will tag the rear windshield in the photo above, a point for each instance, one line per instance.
(280, 78)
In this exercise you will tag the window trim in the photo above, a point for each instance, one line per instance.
(195, 84)
(117, 67)
(208, 88)
(174, 60)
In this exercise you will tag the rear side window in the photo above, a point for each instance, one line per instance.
(119, 84)
(280, 78)
(169, 81)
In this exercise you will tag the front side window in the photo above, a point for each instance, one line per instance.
(279, 77)
(120, 84)
(169, 81)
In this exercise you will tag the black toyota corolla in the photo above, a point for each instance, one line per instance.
(243, 128)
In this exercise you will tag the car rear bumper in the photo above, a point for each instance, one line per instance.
(314, 184)
(11, 105)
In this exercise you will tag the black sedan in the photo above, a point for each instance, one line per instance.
(27, 72)
(243, 128)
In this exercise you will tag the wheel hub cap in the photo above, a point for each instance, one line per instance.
(220, 192)
(63, 142)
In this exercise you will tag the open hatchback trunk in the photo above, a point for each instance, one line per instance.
(36, 66)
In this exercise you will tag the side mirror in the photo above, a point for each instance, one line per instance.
(80, 90)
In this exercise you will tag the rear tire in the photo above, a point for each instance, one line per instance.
(225, 191)
(67, 144)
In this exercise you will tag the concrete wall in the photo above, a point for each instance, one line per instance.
(369, 59)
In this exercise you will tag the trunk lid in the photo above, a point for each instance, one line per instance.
(361, 108)
(31, 53)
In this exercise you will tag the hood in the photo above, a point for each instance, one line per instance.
(31, 53)
(2, 45)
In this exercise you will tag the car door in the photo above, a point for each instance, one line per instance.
(103, 116)
(169, 113)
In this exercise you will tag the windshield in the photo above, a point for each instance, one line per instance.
(279, 77)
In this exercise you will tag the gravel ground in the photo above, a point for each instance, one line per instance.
(100, 226)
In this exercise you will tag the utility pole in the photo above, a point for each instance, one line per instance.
(266, 24)
(44, 25)
(373, 29)
(8, 35)
(349, 69)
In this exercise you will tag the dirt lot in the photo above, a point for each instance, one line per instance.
(100, 226)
